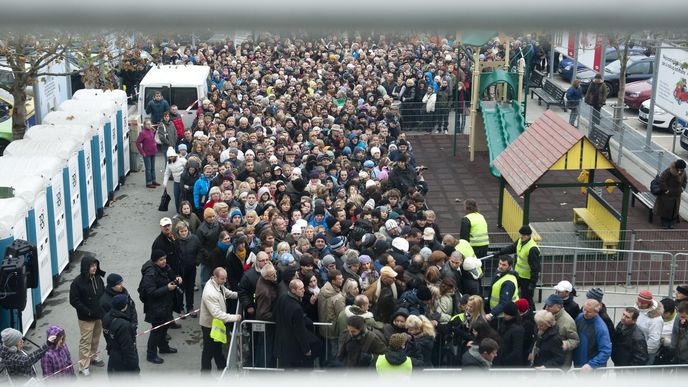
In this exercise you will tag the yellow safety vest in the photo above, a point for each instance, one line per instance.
(497, 289)
(218, 331)
(461, 316)
(522, 266)
(479, 236)
(464, 248)
(384, 368)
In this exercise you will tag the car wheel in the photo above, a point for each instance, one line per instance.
(611, 88)
(3, 144)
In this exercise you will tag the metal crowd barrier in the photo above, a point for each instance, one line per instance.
(652, 370)
(248, 331)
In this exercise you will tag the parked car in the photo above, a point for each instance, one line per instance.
(639, 68)
(6, 106)
(566, 64)
(661, 118)
(637, 92)
(684, 139)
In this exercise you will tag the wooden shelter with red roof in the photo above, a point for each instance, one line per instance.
(551, 144)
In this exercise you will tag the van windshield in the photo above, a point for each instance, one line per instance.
(183, 97)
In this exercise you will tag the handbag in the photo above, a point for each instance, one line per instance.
(164, 201)
(655, 189)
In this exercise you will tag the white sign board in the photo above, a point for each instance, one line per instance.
(589, 48)
(49, 90)
(672, 82)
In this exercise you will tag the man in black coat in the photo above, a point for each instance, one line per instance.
(512, 333)
(120, 334)
(84, 295)
(165, 241)
(293, 342)
(115, 287)
(629, 347)
(158, 286)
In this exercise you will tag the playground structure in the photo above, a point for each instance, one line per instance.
(502, 118)
(552, 145)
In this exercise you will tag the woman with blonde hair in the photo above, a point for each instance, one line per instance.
(251, 218)
(350, 290)
(422, 332)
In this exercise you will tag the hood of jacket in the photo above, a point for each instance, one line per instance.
(86, 262)
(656, 310)
(475, 353)
(328, 291)
(354, 310)
(55, 330)
(395, 357)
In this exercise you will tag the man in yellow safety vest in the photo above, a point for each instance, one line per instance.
(527, 263)
(504, 287)
(474, 228)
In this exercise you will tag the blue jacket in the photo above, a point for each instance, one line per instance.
(201, 188)
(314, 223)
(156, 109)
(595, 345)
(574, 96)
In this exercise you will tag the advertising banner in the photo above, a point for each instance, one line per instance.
(589, 48)
(672, 87)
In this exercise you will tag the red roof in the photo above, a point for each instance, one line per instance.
(528, 158)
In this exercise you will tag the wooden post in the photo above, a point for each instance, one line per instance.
(475, 87)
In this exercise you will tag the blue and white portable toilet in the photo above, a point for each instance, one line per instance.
(13, 226)
(120, 98)
(108, 109)
(97, 123)
(68, 151)
(32, 190)
(50, 169)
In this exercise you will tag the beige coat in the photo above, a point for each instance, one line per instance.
(213, 304)
(568, 333)
(331, 302)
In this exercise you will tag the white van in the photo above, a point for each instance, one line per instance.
(180, 85)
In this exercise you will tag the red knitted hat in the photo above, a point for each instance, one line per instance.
(645, 297)
(522, 305)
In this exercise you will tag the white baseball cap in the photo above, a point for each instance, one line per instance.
(564, 286)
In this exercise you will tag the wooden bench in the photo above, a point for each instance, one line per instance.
(600, 139)
(535, 81)
(647, 199)
(601, 219)
(551, 94)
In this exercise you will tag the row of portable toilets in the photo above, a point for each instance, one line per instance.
(63, 174)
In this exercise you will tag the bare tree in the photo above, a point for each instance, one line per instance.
(29, 57)
(621, 43)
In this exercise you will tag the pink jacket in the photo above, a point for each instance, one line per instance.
(145, 143)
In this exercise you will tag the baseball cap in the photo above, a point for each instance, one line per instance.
(165, 221)
(564, 286)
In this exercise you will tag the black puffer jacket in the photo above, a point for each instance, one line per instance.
(120, 335)
(629, 347)
(159, 299)
(86, 291)
(189, 250)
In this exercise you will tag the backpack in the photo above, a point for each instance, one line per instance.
(655, 189)
(141, 291)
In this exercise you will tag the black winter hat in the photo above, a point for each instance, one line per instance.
(424, 294)
(157, 254)
(114, 279)
(511, 309)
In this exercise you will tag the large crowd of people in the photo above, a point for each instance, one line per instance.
(300, 202)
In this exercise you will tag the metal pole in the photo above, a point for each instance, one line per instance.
(659, 162)
(621, 143)
(456, 114)
(651, 114)
(575, 61)
(575, 260)
(629, 267)
(672, 275)
(603, 61)
(551, 57)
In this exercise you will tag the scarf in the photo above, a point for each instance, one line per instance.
(241, 254)
(223, 246)
(378, 289)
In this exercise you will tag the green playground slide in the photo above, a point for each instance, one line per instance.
(503, 123)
